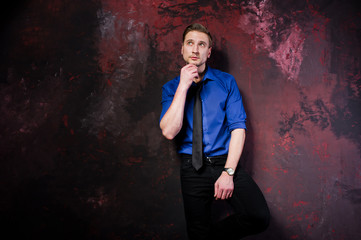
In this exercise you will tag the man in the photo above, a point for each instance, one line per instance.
(206, 102)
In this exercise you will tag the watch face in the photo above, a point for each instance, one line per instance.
(230, 171)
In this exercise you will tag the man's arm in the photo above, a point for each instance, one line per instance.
(223, 188)
(172, 120)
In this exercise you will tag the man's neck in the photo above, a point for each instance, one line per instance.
(202, 73)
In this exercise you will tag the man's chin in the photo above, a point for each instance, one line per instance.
(194, 62)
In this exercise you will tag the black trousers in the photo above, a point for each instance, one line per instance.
(250, 211)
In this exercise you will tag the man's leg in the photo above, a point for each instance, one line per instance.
(251, 211)
(197, 190)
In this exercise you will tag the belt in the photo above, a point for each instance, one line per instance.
(213, 160)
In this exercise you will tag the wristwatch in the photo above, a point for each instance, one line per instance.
(229, 171)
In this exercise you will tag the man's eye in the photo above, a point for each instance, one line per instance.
(190, 43)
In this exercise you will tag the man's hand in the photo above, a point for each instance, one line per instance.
(223, 188)
(188, 74)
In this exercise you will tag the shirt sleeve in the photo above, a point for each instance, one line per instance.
(236, 115)
(167, 98)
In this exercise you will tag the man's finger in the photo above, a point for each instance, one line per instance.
(219, 194)
(229, 194)
(215, 190)
(224, 195)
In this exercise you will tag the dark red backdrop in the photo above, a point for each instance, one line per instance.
(82, 156)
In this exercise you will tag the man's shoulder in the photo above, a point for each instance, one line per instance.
(172, 84)
(220, 75)
(224, 79)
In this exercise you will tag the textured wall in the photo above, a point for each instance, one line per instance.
(82, 156)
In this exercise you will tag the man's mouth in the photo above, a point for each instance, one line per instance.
(194, 58)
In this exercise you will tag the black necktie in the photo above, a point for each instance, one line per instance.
(197, 148)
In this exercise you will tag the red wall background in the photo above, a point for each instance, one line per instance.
(82, 156)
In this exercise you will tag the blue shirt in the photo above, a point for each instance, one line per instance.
(222, 112)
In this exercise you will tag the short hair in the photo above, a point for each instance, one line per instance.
(199, 28)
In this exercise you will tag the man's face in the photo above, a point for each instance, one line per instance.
(196, 49)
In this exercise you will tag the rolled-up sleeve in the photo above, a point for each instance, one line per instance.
(236, 115)
(167, 98)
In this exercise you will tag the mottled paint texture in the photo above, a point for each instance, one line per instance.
(82, 156)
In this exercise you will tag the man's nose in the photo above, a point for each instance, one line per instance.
(195, 48)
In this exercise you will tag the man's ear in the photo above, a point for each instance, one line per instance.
(182, 50)
(209, 52)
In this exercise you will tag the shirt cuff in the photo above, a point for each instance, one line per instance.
(237, 125)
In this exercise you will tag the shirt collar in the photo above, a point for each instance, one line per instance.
(209, 74)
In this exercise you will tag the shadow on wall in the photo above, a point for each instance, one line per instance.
(219, 60)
